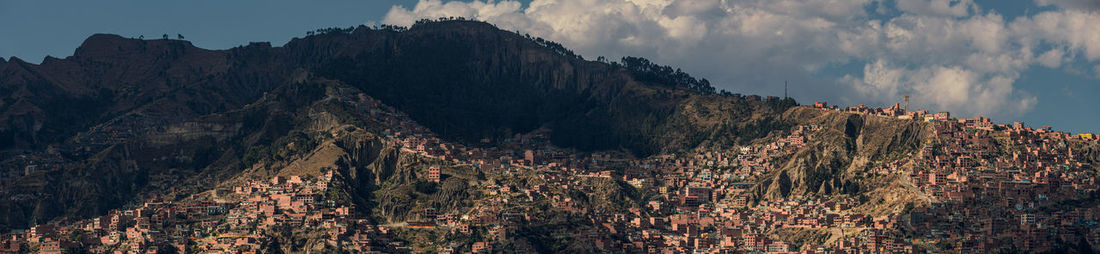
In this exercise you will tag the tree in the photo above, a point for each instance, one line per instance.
(647, 71)
(180, 36)
(165, 36)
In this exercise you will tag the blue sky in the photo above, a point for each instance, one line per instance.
(1018, 60)
(33, 29)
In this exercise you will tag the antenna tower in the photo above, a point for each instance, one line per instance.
(785, 89)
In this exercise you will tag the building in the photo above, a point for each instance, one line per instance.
(50, 246)
(529, 156)
(433, 174)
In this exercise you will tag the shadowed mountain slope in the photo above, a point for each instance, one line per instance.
(124, 118)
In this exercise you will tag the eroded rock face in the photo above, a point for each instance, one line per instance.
(836, 161)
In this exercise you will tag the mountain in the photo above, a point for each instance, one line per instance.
(504, 141)
(467, 81)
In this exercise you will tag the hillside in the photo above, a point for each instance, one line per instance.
(465, 80)
(457, 135)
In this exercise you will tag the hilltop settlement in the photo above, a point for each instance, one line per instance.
(979, 187)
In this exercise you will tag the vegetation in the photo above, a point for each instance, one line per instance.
(644, 70)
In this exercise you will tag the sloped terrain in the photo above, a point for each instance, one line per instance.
(455, 135)
(844, 150)
(124, 117)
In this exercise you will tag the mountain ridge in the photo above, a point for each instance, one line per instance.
(122, 89)
(459, 116)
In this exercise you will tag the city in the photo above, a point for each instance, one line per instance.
(696, 202)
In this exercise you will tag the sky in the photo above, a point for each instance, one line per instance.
(1036, 61)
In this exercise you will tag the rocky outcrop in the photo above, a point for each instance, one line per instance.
(837, 161)
(470, 81)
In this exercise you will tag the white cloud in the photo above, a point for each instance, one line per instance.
(1071, 4)
(436, 8)
(1079, 30)
(940, 87)
(1052, 58)
(949, 54)
(953, 8)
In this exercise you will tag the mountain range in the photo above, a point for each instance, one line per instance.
(458, 119)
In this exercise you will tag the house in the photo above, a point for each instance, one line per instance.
(778, 247)
(481, 247)
(50, 246)
(10, 246)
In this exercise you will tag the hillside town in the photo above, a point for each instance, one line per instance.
(693, 202)
(998, 186)
(223, 220)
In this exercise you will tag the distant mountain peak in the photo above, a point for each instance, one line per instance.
(102, 43)
(15, 60)
(108, 45)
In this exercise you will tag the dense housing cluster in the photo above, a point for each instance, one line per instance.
(989, 186)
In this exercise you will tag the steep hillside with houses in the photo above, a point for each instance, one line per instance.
(454, 136)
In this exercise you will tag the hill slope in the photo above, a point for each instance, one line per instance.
(456, 134)
(109, 115)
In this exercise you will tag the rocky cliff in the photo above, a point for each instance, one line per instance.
(838, 161)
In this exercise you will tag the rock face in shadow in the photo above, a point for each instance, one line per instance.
(470, 81)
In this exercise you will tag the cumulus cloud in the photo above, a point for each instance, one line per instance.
(953, 8)
(1052, 58)
(1075, 29)
(1071, 4)
(943, 87)
(948, 54)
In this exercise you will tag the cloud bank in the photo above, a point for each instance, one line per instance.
(950, 55)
